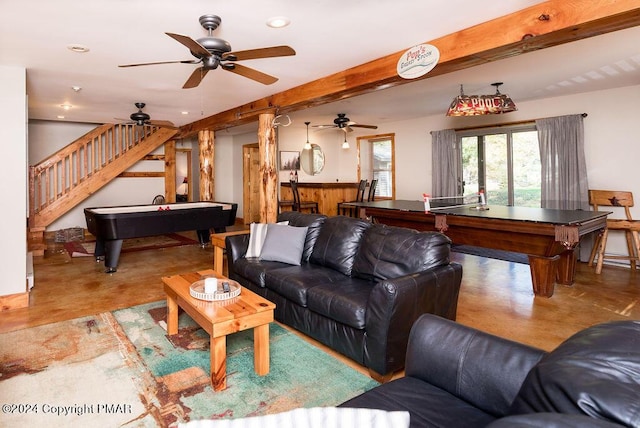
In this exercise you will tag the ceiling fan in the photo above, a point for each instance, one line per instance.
(141, 118)
(344, 123)
(212, 52)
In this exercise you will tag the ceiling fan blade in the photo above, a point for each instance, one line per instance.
(195, 78)
(193, 46)
(252, 74)
(322, 127)
(188, 61)
(355, 125)
(270, 52)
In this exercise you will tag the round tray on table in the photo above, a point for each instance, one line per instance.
(197, 290)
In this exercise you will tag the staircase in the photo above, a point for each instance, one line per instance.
(75, 172)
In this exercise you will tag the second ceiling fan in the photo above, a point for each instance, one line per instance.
(212, 52)
(345, 124)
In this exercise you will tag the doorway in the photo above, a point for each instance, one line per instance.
(184, 187)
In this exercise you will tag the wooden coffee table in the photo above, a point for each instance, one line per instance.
(220, 318)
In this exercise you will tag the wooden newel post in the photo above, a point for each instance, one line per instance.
(206, 143)
(268, 169)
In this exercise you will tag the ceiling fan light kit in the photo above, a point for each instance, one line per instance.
(212, 52)
(475, 105)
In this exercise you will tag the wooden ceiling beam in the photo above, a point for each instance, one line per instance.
(544, 25)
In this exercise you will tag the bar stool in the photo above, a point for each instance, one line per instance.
(344, 210)
(299, 205)
(610, 198)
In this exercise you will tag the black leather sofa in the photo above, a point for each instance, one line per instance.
(457, 376)
(359, 287)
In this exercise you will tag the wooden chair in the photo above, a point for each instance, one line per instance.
(299, 205)
(344, 210)
(610, 198)
(372, 190)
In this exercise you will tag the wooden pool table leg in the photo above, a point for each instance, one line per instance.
(543, 274)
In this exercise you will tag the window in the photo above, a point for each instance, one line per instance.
(376, 160)
(504, 163)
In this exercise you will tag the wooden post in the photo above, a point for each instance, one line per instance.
(268, 169)
(206, 142)
(170, 171)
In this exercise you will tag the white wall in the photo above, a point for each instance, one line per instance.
(13, 180)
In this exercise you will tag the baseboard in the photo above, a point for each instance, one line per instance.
(14, 301)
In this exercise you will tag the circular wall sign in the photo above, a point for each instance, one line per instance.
(418, 61)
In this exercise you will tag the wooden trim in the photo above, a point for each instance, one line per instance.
(14, 301)
(338, 185)
(153, 157)
(141, 174)
(540, 26)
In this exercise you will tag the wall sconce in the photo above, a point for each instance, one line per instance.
(307, 145)
(474, 105)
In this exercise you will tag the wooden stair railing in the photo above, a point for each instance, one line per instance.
(77, 171)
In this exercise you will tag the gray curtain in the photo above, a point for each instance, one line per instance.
(444, 163)
(564, 170)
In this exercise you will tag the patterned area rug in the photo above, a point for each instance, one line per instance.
(86, 248)
(121, 369)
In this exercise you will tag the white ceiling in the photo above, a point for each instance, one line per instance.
(328, 36)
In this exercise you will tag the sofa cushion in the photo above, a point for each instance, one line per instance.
(344, 301)
(390, 252)
(293, 282)
(338, 243)
(313, 223)
(284, 244)
(595, 372)
(428, 405)
(255, 269)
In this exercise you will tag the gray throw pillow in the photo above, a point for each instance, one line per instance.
(258, 232)
(284, 244)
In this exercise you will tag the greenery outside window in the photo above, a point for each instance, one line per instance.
(504, 162)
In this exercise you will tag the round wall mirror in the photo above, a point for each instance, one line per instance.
(312, 160)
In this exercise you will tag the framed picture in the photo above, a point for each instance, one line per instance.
(289, 160)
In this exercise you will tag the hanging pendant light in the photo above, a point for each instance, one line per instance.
(307, 145)
(475, 105)
(345, 145)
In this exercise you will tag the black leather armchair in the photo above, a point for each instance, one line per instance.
(457, 376)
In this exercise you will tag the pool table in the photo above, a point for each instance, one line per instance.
(547, 236)
(110, 225)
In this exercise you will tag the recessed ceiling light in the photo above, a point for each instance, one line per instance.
(66, 106)
(76, 88)
(184, 112)
(78, 48)
(278, 21)
(60, 117)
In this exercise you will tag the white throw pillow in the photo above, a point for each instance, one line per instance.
(258, 231)
(326, 417)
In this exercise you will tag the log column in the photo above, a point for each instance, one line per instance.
(268, 168)
(206, 143)
(170, 171)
